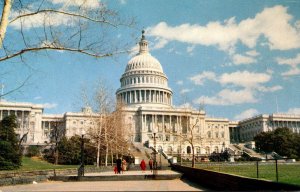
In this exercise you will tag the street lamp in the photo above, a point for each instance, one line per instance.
(81, 168)
(154, 145)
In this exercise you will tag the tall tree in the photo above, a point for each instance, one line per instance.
(87, 27)
(10, 156)
(282, 140)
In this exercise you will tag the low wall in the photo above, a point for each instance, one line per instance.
(226, 182)
(24, 177)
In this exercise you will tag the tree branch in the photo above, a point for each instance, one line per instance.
(35, 49)
(64, 13)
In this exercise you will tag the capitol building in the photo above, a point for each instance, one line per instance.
(148, 111)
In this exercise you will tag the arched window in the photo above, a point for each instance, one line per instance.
(207, 150)
(188, 150)
(208, 134)
(216, 149)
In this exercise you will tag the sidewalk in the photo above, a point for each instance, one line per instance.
(133, 172)
(125, 176)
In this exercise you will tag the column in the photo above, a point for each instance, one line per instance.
(130, 98)
(170, 124)
(140, 95)
(135, 96)
(152, 122)
(163, 123)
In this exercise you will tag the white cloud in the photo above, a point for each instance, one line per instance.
(248, 83)
(269, 89)
(186, 106)
(246, 114)
(252, 53)
(39, 20)
(123, 2)
(52, 19)
(242, 59)
(37, 98)
(244, 79)
(226, 34)
(229, 97)
(190, 49)
(200, 78)
(294, 111)
(133, 50)
(92, 4)
(183, 91)
(160, 43)
(293, 63)
(180, 82)
(49, 105)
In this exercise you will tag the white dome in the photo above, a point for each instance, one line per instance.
(144, 61)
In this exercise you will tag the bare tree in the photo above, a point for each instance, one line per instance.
(86, 27)
(57, 132)
(190, 131)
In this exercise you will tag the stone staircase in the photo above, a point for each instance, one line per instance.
(138, 150)
(238, 149)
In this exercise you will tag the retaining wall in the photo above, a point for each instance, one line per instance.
(13, 178)
(226, 182)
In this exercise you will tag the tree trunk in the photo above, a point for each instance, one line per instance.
(98, 152)
(106, 155)
(112, 157)
(193, 156)
(56, 154)
(4, 20)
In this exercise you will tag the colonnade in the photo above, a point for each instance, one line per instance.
(164, 123)
(145, 95)
(22, 116)
(143, 79)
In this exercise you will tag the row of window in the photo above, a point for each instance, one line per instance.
(144, 79)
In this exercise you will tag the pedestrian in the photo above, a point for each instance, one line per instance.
(115, 169)
(124, 165)
(119, 165)
(143, 165)
(151, 165)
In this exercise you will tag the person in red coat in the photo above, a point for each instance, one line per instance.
(143, 165)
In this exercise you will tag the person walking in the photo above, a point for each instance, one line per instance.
(119, 166)
(151, 165)
(143, 165)
(124, 165)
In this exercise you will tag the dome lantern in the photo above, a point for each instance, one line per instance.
(143, 44)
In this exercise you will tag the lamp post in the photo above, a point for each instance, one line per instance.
(154, 161)
(81, 168)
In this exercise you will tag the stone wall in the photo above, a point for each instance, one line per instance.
(226, 182)
(17, 177)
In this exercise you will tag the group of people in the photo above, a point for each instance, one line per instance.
(121, 166)
(143, 165)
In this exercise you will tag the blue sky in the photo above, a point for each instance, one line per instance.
(237, 58)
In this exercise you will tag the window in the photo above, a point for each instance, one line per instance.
(208, 134)
(188, 149)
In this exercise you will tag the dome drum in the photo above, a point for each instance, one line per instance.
(150, 96)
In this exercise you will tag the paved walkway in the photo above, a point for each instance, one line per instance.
(142, 185)
(134, 172)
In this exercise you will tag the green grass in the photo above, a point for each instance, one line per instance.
(34, 164)
(30, 164)
(287, 173)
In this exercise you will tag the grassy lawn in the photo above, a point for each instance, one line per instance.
(287, 173)
(31, 164)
